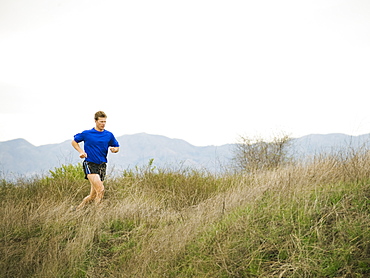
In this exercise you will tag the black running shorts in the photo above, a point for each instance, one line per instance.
(93, 168)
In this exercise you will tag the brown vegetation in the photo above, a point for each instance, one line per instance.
(297, 220)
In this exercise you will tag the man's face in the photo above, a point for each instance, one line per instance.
(100, 123)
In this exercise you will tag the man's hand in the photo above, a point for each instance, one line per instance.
(83, 155)
(80, 151)
(114, 149)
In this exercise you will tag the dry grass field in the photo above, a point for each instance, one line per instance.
(302, 220)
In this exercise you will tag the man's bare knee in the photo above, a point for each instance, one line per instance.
(100, 190)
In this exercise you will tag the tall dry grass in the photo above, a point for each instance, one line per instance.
(302, 220)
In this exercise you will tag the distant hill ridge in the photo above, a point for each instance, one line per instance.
(19, 157)
(326, 143)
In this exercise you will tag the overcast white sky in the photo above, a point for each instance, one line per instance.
(202, 71)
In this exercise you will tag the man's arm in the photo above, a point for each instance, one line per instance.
(78, 148)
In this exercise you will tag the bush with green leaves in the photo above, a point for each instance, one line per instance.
(69, 171)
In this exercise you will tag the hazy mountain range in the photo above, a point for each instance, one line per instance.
(18, 157)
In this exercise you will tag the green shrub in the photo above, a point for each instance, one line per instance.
(71, 172)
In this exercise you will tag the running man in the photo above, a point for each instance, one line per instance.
(97, 141)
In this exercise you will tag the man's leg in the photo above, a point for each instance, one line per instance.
(88, 198)
(96, 191)
(98, 187)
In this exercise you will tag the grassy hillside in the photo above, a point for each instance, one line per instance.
(307, 220)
